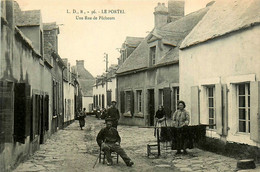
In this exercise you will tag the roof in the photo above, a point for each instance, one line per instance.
(28, 18)
(224, 17)
(171, 34)
(176, 31)
(138, 58)
(50, 26)
(86, 87)
(85, 79)
(171, 56)
(133, 41)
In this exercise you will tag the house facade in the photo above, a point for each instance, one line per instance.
(25, 99)
(149, 77)
(219, 75)
(54, 61)
(69, 94)
(104, 89)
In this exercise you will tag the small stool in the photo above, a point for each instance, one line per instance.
(152, 147)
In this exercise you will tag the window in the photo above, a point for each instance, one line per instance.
(211, 106)
(152, 55)
(139, 101)
(128, 101)
(99, 100)
(175, 98)
(243, 98)
(161, 95)
(103, 101)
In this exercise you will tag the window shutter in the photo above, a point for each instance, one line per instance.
(218, 96)
(254, 111)
(122, 101)
(47, 112)
(225, 110)
(132, 103)
(21, 112)
(195, 116)
(109, 97)
(6, 112)
(174, 108)
(167, 101)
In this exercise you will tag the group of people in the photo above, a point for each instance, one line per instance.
(109, 139)
(179, 118)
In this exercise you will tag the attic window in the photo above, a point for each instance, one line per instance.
(152, 55)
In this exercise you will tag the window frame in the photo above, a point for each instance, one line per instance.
(247, 107)
(153, 55)
(160, 97)
(127, 101)
(139, 101)
(208, 87)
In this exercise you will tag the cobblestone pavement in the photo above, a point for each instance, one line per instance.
(75, 150)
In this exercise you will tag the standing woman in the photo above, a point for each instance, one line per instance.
(180, 119)
(160, 120)
(82, 118)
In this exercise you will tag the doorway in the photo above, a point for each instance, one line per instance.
(151, 106)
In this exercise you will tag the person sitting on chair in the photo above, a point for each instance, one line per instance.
(109, 140)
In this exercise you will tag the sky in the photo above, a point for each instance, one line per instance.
(85, 35)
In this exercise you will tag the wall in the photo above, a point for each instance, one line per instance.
(33, 33)
(86, 101)
(158, 78)
(226, 60)
(20, 64)
(68, 101)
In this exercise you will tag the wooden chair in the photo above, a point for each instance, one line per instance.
(102, 156)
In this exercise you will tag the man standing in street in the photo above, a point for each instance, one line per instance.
(109, 140)
(113, 113)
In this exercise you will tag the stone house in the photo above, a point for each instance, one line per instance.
(149, 77)
(54, 61)
(219, 76)
(25, 112)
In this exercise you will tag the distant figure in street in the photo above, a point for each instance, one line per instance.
(109, 140)
(160, 119)
(181, 118)
(82, 115)
(113, 113)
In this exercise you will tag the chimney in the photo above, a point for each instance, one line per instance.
(80, 63)
(160, 15)
(175, 9)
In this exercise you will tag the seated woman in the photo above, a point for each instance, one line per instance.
(180, 119)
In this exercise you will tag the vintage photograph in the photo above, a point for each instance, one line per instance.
(130, 85)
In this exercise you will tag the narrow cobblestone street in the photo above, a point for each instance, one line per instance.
(73, 149)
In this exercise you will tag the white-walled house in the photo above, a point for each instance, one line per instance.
(105, 83)
(220, 72)
(69, 93)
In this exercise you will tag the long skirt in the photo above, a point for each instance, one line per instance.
(82, 122)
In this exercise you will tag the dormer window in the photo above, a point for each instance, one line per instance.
(152, 55)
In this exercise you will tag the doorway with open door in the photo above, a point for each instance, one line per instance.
(151, 109)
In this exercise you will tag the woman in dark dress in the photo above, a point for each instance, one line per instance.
(81, 118)
(160, 120)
